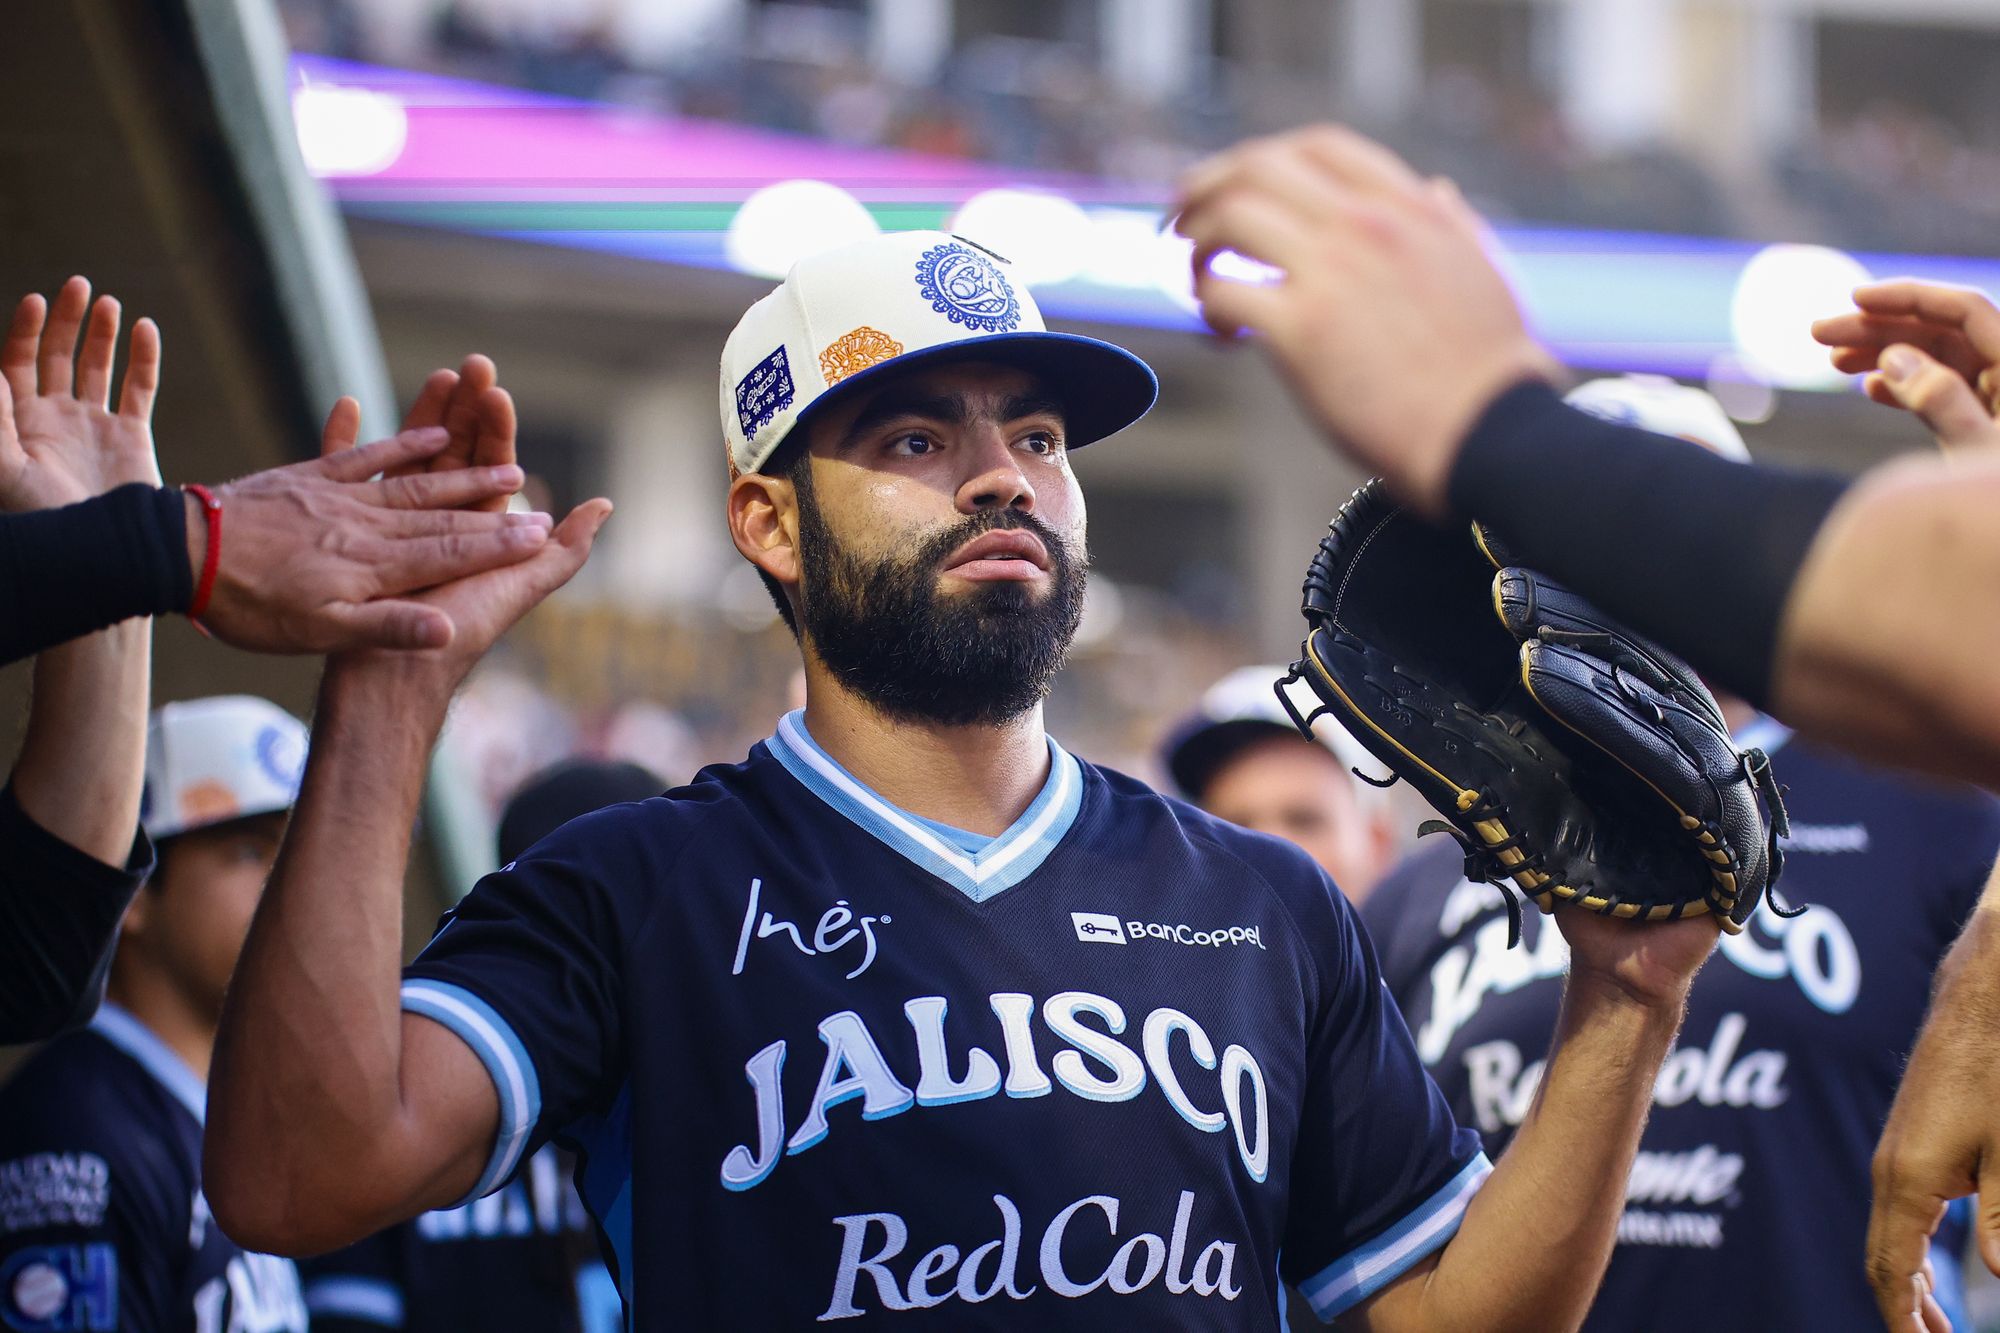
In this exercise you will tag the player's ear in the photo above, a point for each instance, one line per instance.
(764, 524)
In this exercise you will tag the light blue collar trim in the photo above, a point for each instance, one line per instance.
(1005, 862)
(171, 1072)
(1764, 733)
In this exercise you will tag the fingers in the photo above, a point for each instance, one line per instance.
(365, 461)
(1250, 223)
(1900, 1225)
(569, 545)
(388, 624)
(58, 348)
(444, 522)
(343, 427)
(10, 440)
(426, 562)
(428, 407)
(1970, 312)
(100, 349)
(1987, 1222)
(142, 371)
(1940, 396)
(24, 336)
(1234, 308)
(451, 489)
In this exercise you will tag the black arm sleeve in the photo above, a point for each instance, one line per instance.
(1690, 548)
(59, 914)
(67, 572)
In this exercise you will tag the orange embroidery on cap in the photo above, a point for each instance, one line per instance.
(856, 350)
(207, 802)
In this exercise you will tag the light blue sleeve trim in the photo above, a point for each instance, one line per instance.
(366, 1299)
(506, 1061)
(1354, 1277)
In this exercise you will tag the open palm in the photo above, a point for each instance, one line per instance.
(60, 442)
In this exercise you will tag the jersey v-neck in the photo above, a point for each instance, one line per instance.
(129, 1035)
(939, 850)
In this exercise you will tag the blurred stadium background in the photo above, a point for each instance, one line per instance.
(328, 196)
(338, 195)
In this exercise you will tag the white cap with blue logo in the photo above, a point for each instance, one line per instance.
(843, 318)
(1664, 407)
(209, 761)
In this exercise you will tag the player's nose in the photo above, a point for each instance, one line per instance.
(994, 478)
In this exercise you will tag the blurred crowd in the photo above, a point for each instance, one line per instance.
(1887, 175)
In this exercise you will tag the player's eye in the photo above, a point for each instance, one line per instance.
(912, 444)
(1043, 442)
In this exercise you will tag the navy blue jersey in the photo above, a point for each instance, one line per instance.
(1121, 1066)
(523, 1257)
(1748, 1205)
(102, 1220)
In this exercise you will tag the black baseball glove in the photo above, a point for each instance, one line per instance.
(1574, 761)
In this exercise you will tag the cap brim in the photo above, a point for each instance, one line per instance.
(1103, 387)
(1202, 746)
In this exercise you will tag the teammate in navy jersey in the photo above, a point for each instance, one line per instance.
(1756, 1159)
(525, 1257)
(910, 1018)
(103, 1224)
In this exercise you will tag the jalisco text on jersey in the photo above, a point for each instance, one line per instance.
(855, 1067)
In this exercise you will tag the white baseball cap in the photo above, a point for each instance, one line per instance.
(209, 761)
(1665, 407)
(843, 318)
(1237, 710)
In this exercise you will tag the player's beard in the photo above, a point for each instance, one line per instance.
(983, 655)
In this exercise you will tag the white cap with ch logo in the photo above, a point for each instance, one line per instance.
(843, 319)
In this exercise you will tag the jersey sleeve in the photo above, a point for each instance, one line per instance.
(529, 970)
(94, 1223)
(1383, 1175)
(62, 909)
(358, 1289)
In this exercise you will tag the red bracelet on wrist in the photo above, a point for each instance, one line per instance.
(211, 560)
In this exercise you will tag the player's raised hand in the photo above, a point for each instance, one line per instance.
(479, 415)
(1653, 962)
(60, 440)
(482, 607)
(1386, 316)
(1930, 349)
(319, 556)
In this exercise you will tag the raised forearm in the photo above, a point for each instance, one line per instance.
(1537, 1237)
(82, 767)
(307, 1082)
(1892, 629)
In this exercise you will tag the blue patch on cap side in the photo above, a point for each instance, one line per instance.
(764, 392)
(967, 288)
(281, 757)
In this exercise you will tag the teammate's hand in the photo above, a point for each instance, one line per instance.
(484, 606)
(1942, 1141)
(1652, 962)
(479, 415)
(1387, 318)
(1930, 349)
(316, 557)
(60, 442)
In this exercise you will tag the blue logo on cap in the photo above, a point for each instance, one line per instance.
(764, 392)
(281, 757)
(967, 288)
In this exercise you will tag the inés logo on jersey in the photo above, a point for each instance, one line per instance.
(968, 288)
(60, 1289)
(1097, 928)
(837, 928)
(1088, 1229)
(763, 393)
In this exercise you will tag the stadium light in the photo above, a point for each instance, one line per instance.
(792, 220)
(348, 131)
(1781, 291)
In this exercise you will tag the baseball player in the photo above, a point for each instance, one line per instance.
(911, 1018)
(1757, 1153)
(526, 1256)
(1240, 758)
(103, 1224)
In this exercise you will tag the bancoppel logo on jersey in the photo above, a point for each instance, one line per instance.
(1097, 928)
(1103, 928)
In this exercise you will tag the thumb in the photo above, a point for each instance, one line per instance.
(387, 624)
(1938, 395)
(1986, 1205)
